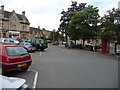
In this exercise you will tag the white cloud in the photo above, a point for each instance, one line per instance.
(46, 13)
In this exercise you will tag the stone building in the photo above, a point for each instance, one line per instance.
(35, 32)
(39, 33)
(13, 25)
(46, 33)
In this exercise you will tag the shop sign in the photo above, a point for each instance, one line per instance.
(3, 30)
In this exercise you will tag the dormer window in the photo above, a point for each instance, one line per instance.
(24, 20)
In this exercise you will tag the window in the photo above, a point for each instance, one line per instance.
(14, 27)
(6, 41)
(16, 51)
(1, 16)
(1, 25)
(24, 27)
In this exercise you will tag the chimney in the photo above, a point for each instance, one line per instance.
(2, 7)
(23, 13)
(38, 27)
(119, 5)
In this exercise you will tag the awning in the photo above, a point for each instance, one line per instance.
(3, 30)
(14, 32)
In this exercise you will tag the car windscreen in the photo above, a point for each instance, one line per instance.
(16, 51)
(27, 44)
(38, 41)
(42, 41)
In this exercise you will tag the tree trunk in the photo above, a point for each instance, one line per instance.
(83, 42)
(66, 37)
(75, 42)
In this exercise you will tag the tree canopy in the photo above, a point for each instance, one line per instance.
(83, 25)
(111, 25)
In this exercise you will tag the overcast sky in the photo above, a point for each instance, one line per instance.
(47, 13)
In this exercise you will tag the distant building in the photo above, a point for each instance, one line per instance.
(119, 4)
(46, 33)
(39, 33)
(13, 24)
(35, 32)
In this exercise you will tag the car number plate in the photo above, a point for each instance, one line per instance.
(21, 65)
(33, 49)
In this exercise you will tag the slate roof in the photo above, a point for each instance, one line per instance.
(20, 17)
(6, 14)
(35, 30)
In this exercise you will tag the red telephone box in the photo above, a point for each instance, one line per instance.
(105, 46)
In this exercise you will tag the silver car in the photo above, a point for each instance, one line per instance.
(12, 83)
(28, 46)
(9, 41)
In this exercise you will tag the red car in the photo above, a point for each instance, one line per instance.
(14, 57)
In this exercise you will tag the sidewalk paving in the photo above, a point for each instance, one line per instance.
(99, 51)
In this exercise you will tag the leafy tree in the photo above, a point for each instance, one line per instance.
(111, 25)
(83, 25)
(67, 15)
(55, 35)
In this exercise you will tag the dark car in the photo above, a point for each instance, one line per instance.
(39, 44)
(28, 46)
(69, 44)
(14, 57)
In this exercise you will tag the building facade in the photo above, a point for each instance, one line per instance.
(35, 32)
(39, 33)
(46, 33)
(13, 25)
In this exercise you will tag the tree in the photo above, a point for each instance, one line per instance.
(55, 36)
(66, 16)
(83, 25)
(111, 25)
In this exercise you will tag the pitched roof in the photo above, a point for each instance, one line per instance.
(22, 18)
(6, 14)
(35, 30)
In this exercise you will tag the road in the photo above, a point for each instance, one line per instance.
(58, 67)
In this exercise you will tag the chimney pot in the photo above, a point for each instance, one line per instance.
(38, 27)
(2, 7)
(23, 13)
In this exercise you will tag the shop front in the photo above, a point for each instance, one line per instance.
(24, 34)
(14, 34)
(3, 33)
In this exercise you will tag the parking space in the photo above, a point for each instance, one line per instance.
(30, 76)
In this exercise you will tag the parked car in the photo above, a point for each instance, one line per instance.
(63, 43)
(69, 44)
(55, 43)
(39, 44)
(89, 47)
(12, 83)
(49, 41)
(28, 46)
(9, 40)
(14, 57)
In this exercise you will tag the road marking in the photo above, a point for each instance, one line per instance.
(69, 51)
(35, 79)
